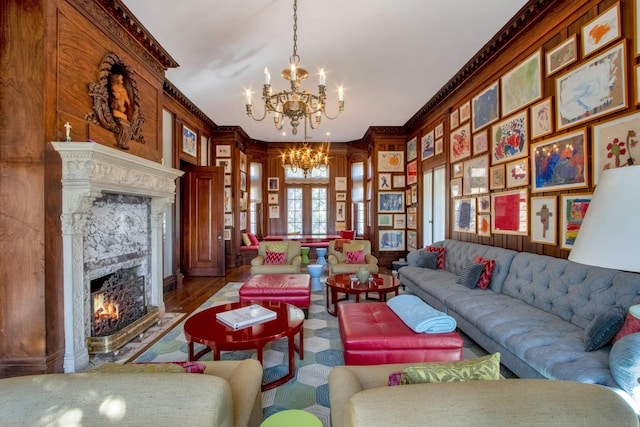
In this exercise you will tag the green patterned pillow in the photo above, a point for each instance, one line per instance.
(482, 368)
(277, 247)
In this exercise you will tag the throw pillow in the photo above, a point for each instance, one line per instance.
(274, 257)
(349, 247)
(481, 368)
(441, 251)
(625, 363)
(487, 272)
(631, 325)
(277, 247)
(395, 378)
(245, 239)
(422, 258)
(603, 328)
(253, 239)
(471, 274)
(354, 257)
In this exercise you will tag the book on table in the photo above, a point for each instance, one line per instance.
(246, 316)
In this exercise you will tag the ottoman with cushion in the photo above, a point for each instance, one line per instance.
(373, 334)
(292, 289)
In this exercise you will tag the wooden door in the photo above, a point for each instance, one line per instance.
(203, 221)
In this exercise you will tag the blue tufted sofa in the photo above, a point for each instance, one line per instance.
(534, 311)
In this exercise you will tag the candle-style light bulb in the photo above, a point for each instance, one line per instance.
(293, 72)
(267, 76)
(322, 77)
(340, 94)
(248, 93)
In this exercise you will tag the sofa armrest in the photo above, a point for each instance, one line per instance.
(370, 259)
(259, 260)
(332, 259)
(296, 260)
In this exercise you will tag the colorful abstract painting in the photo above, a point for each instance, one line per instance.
(460, 143)
(509, 139)
(560, 163)
(484, 107)
(522, 85)
(574, 208)
(616, 144)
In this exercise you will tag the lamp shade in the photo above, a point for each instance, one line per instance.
(610, 232)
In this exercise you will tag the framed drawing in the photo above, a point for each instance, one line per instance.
(496, 177)
(615, 144)
(464, 215)
(243, 181)
(399, 221)
(414, 194)
(340, 211)
(390, 161)
(428, 146)
(243, 220)
(189, 142)
(560, 163)
(577, 102)
(391, 240)
(562, 55)
(412, 172)
(341, 197)
(227, 199)
(573, 208)
(412, 220)
(412, 148)
(243, 162)
(274, 212)
(227, 234)
(484, 107)
(454, 119)
(228, 220)
(244, 200)
(407, 193)
(483, 225)
(509, 138)
(522, 85)
(272, 198)
(636, 72)
(391, 202)
(460, 143)
(483, 204)
(223, 151)
(476, 176)
(458, 169)
(384, 181)
(225, 163)
(412, 240)
(602, 30)
(385, 220)
(456, 187)
(517, 173)
(544, 217)
(439, 130)
(274, 184)
(465, 112)
(341, 183)
(398, 181)
(509, 213)
(480, 142)
(227, 180)
(439, 146)
(541, 116)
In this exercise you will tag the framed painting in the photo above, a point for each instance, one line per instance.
(454, 119)
(384, 181)
(340, 211)
(341, 197)
(636, 73)
(243, 181)
(522, 85)
(509, 138)
(412, 148)
(412, 240)
(544, 217)
(414, 194)
(274, 212)
(455, 186)
(227, 234)
(460, 143)
(227, 180)
(602, 30)
(485, 107)
(273, 183)
(457, 169)
(541, 116)
(341, 183)
(412, 220)
(577, 102)
(243, 162)
(227, 199)
(615, 144)
(412, 172)
(228, 220)
(560, 163)
(243, 220)
(509, 214)
(390, 161)
(496, 177)
(439, 146)
(562, 55)
(391, 202)
(398, 181)
(223, 151)
(465, 112)
(480, 142)
(407, 193)
(439, 130)
(225, 163)
(399, 221)
(391, 240)
(483, 204)
(272, 199)
(428, 146)
(385, 220)
(517, 173)
(483, 225)
(573, 209)
(464, 215)
(476, 176)
(189, 142)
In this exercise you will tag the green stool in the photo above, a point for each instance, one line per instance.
(292, 418)
(304, 254)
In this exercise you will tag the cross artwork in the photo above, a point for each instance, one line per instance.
(67, 127)
(544, 215)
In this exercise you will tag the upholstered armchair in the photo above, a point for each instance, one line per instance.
(277, 258)
(342, 256)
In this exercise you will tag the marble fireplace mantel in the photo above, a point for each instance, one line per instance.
(90, 169)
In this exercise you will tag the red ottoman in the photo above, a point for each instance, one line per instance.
(372, 334)
(289, 288)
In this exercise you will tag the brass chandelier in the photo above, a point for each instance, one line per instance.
(305, 158)
(295, 104)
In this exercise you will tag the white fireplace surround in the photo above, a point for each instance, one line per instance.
(90, 169)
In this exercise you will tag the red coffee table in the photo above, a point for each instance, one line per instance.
(203, 328)
(382, 284)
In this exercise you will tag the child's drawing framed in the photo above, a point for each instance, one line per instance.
(509, 212)
(573, 207)
(602, 30)
(510, 138)
(560, 163)
(464, 215)
(544, 219)
(522, 85)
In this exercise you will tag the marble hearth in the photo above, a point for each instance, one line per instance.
(113, 206)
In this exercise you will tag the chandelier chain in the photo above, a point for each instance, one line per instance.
(295, 59)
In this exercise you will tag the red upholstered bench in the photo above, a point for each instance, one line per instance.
(289, 288)
(372, 334)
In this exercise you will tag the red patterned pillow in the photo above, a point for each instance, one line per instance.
(254, 240)
(274, 257)
(631, 325)
(487, 272)
(354, 257)
(441, 254)
(395, 378)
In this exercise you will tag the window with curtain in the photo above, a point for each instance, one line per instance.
(255, 200)
(357, 197)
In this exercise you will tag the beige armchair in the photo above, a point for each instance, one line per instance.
(292, 262)
(337, 260)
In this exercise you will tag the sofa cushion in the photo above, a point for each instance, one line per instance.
(481, 368)
(631, 325)
(272, 257)
(487, 272)
(470, 275)
(422, 258)
(354, 257)
(441, 251)
(253, 239)
(277, 247)
(245, 239)
(603, 328)
(625, 363)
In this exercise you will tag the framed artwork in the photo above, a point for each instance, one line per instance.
(573, 207)
(476, 176)
(412, 148)
(541, 116)
(615, 144)
(602, 30)
(483, 204)
(439, 130)
(244, 201)
(369, 168)
(560, 163)
(228, 220)
(439, 146)
(456, 187)
(391, 240)
(407, 193)
(341, 183)
(273, 199)
(562, 55)
(412, 172)
(243, 181)
(243, 162)
(509, 214)
(274, 212)
(227, 180)
(458, 169)
(227, 199)
(428, 146)
(522, 85)
(227, 234)
(414, 194)
(223, 151)
(483, 225)
(577, 102)
(517, 173)
(544, 217)
(460, 143)
(636, 28)
(390, 161)
(465, 112)
(399, 221)
(391, 202)
(636, 72)
(189, 142)
(341, 197)
(497, 179)
(273, 183)
(384, 181)
(243, 220)
(509, 138)
(480, 142)
(484, 107)
(225, 163)
(464, 215)
(340, 211)
(454, 119)
(412, 240)
(398, 181)
(385, 220)
(412, 220)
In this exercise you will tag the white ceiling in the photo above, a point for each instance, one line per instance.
(390, 56)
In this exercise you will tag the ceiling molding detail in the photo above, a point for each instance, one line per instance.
(171, 90)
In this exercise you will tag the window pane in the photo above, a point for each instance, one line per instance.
(294, 210)
(319, 210)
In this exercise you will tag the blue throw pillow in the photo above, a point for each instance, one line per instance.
(624, 361)
(422, 258)
(603, 328)
(471, 274)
